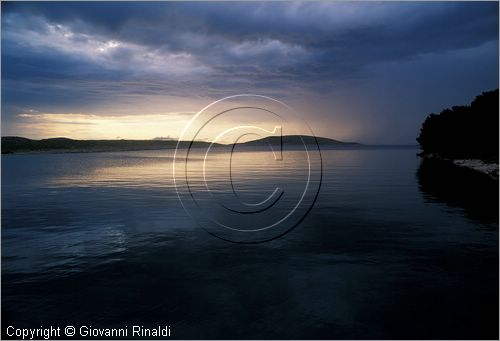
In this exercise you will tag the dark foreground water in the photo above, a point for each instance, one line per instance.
(392, 249)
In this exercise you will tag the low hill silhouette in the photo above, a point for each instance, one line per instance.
(15, 144)
(297, 140)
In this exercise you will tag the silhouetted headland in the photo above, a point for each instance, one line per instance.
(15, 144)
(466, 136)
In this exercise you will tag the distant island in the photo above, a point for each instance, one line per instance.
(465, 135)
(288, 140)
(15, 144)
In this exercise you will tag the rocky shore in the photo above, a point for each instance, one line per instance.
(488, 168)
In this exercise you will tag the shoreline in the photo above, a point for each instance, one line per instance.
(345, 146)
(22, 145)
(489, 169)
(78, 151)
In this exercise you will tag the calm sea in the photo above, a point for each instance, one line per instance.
(393, 248)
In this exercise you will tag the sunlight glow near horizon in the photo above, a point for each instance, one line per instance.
(89, 126)
(38, 125)
(356, 72)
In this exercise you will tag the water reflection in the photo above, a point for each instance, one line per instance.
(102, 239)
(474, 192)
(61, 250)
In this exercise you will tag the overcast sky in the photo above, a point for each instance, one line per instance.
(366, 72)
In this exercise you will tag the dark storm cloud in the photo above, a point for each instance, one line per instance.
(215, 49)
(312, 39)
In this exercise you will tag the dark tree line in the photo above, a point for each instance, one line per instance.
(464, 131)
